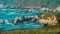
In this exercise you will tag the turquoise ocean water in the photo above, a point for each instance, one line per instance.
(12, 13)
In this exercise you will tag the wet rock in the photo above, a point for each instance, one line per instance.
(1, 21)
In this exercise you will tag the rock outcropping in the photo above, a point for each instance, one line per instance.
(48, 19)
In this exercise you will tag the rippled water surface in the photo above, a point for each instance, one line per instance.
(12, 13)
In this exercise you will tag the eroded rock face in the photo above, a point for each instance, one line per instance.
(48, 19)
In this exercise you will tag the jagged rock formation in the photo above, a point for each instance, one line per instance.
(43, 18)
(27, 19)
(23, 19)
(48, 19)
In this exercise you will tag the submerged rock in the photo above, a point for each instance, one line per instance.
(22, 20)
(1, 21)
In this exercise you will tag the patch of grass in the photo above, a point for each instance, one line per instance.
(46, 30)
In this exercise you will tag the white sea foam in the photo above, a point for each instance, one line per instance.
(10, 13)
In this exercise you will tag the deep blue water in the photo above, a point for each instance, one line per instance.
(12, 13)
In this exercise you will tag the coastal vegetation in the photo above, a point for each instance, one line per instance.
(46, 30)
